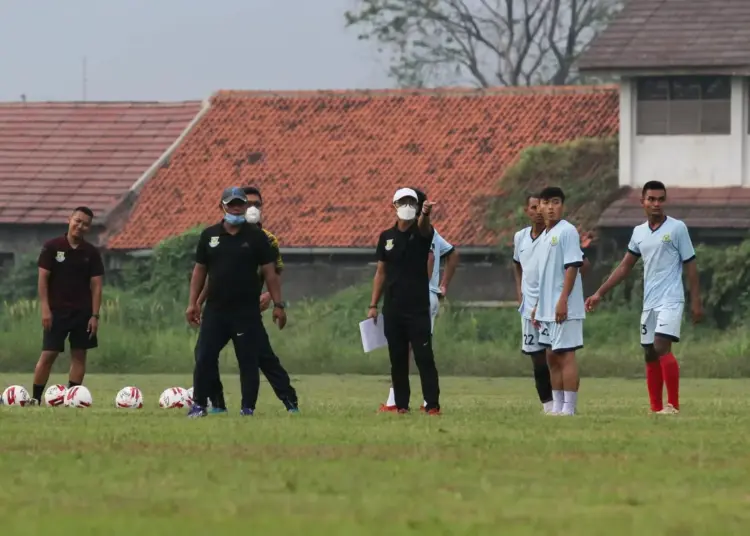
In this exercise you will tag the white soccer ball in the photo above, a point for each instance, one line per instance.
(78, 397)
(174, 397)
(55, 395)
(15, 395)
(129, 398)
(189, 397)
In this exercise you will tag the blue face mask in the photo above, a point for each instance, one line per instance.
(234, 219)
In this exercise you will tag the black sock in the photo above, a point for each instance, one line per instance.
(218, 401)
(73, 384)
(38, 390)
(543, 382)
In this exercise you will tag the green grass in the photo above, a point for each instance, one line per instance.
(490, 465)
(143, 335)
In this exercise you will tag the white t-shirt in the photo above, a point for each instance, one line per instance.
(524, 249)
(559, 249)
(664, 250)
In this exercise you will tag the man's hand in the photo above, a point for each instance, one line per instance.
(561, 311)
(279, 317)
(427, 207)
(696, 308)
(265, 301)
(372, 312)
(193, 315)
(592, 302)
(93, 327)
(46, 318)
(443, 291)
(534, 321)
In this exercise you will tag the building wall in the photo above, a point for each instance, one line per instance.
(19, 239)
(713, 160)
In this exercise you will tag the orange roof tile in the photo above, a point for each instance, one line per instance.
(328, 162)
(55, 156)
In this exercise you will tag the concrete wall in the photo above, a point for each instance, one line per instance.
(18, 239)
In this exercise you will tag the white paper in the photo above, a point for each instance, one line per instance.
(373, 336)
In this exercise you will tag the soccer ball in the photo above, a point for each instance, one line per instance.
(78, 397)
(55, 395)
(15, 395)
(174, 397)
(129, 397)
(189, 397)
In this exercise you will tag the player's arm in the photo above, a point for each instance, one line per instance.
(585, 267)
(687, 255)
(430, 263)
(200, 271)
(45, 264)
(424, 224)
(96, 283)
(204, 292)
(620, 273)
(450, 268)
(378, 282)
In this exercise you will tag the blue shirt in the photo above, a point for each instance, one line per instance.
(440, 248)
(664, 250)
(524, 248)
(560, 248)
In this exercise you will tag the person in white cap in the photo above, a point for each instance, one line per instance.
(402, 255)
(440, 249)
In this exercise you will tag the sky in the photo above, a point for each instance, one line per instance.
(171, 50)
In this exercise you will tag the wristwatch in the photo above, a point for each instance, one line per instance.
(95, 315)
(279, 305)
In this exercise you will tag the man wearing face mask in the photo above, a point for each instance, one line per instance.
(402, 255)
(232, 252)
(269, 363)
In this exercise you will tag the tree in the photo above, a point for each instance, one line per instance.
(482, 42)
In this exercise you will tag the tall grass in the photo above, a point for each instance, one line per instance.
(149, 335)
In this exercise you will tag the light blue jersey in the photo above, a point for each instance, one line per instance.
(664, 250)
(440, 248)
(524, 247)
(559, 249)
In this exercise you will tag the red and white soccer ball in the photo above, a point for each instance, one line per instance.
(15, 395)
(55, 395)
(174, 397)
(78, 397)
(189, 397)
(129, 398)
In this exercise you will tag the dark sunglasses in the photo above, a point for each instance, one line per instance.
(256, 204)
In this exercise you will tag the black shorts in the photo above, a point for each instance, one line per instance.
(71, 325)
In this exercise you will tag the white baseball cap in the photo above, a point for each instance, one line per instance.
(404, 192)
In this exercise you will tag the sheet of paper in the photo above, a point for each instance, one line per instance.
(373, 336)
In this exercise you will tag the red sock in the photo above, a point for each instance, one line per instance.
(671, 372)
(655, 384)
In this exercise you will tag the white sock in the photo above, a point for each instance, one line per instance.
(548, 406)
(569, 406)
(391, 398)
(557, 401)
(424, 404)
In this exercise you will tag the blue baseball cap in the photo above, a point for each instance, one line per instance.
(233, 193)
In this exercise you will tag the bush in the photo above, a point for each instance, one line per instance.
(147, 335)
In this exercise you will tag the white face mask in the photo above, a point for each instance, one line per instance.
(406, 212)
(252, 215)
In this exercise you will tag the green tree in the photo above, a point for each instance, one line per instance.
(482, 42)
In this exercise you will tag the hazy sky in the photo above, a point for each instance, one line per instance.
(179, 49)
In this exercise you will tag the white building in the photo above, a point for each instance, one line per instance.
(684, 69)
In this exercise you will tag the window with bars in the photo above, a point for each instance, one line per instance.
(675, 105)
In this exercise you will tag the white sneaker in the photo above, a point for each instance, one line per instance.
(669, 409)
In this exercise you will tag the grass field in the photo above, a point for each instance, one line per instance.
(490, 465)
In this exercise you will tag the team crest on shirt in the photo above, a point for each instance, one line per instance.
(389, 244)
(213, 242)
(553, 240)
(666, 238)
(60, 257)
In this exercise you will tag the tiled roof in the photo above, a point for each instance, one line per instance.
(708, 208)
(673, 34)
(55, 156)
(328, 162)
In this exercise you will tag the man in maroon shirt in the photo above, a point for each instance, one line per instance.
(70, 293)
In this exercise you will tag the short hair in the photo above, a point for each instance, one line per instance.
(85, 210)
(252, 190)
(550, 192)
(529, 198)
(653, 185)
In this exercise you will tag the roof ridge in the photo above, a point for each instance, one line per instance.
(83, 104)
(402, 92)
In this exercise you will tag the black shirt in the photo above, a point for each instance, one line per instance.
(407, 283)
(71, 270)
(232, 262)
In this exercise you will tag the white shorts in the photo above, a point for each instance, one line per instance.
(561, 338)
(434, 308)
(664, 320)
(529, 337)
